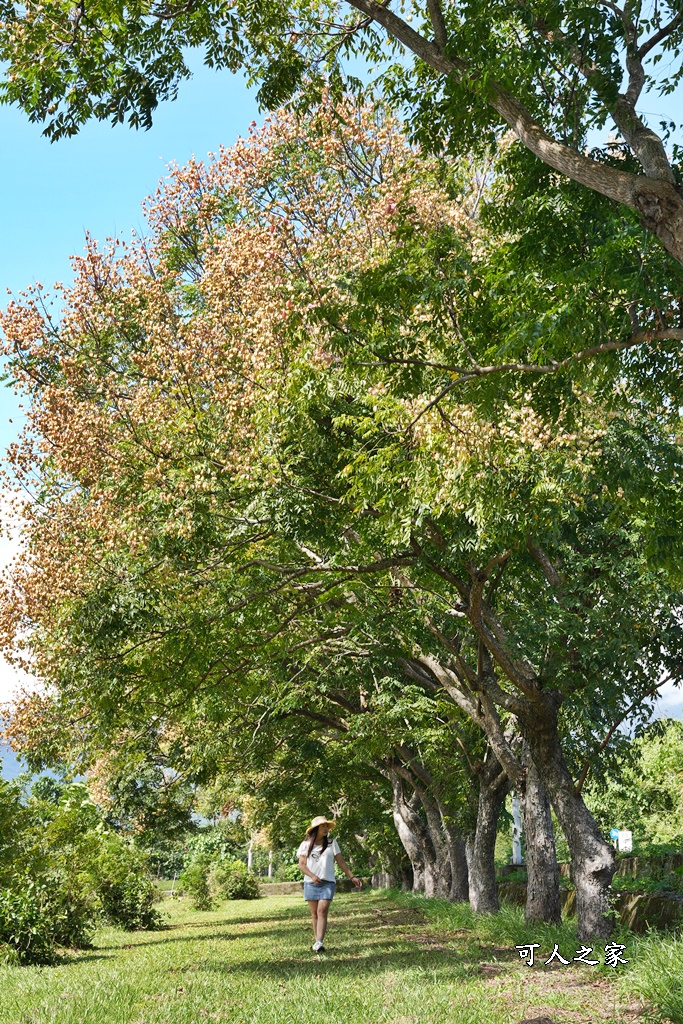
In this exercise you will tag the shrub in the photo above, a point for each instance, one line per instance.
(288, 873)
(126, 892)
(26, 925)
(72, 907)
(234, 882)
(8, 956)
(38, 916)
(129, 902)
(195, 881)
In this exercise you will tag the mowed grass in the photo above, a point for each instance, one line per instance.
(391, 959)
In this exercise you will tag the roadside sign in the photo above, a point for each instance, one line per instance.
(625, 840)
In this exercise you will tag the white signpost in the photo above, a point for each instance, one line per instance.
(625, 840)
(516, 831)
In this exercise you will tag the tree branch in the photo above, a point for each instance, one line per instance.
(328, 720)
(586, 768)
(464, 374)
(657, 38)
(646, 337)
(549, 571)
(520, 673)
(438, 24)
(657, 200)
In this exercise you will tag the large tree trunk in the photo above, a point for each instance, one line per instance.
(445, 836)
(444, 844)
(543, 901)
(423, 839)
(592, 857)
(437, 860)
(437, 882)
(409, 840)
(483, 890)
(460, 887)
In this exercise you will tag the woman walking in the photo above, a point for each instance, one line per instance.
(317, 856)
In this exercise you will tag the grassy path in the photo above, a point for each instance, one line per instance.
(392, 959)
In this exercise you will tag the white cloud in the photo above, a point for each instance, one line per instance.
(12, 680)
(670, 702)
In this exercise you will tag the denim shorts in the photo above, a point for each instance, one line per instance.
(325, 891)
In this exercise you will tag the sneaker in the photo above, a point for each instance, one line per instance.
(318, 947)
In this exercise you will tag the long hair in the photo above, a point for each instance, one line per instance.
(314, 835)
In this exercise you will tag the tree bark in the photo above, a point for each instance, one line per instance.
(543, 901)
(658, 200)
(446, 867)
(483, 890)
(409, 840)
(423, 838)
(592, 857)
(437, 860)
(445, 835)
(536, 709)
(460, 886)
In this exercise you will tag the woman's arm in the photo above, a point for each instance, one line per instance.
(347, 870)
(304, 868)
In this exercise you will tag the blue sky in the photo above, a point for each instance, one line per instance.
(53, 192)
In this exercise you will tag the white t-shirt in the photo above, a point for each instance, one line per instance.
(319, 863)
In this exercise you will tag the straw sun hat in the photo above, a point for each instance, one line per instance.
(320, 820)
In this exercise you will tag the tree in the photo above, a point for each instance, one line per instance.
(227, 453)
(551, 72)
(545, 588)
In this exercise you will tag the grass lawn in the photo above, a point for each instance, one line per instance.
(392, 959)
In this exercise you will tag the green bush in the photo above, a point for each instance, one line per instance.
(73, 909)
(655, 882)
(233, 881)
(8, 956)
(126, 892)
(195, 881)
(38, 916)
(288, 873)
(26, 924)
(129, 903)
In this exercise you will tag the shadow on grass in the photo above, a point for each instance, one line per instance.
(295, 914)
(361, 940)
(75, 958)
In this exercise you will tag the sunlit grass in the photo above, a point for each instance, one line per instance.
(392, 959)
(656, 974)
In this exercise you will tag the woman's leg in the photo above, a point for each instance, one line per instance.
(313, 906)
(323, 907)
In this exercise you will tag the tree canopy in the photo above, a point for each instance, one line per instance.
(553, 73)
(304, 425)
